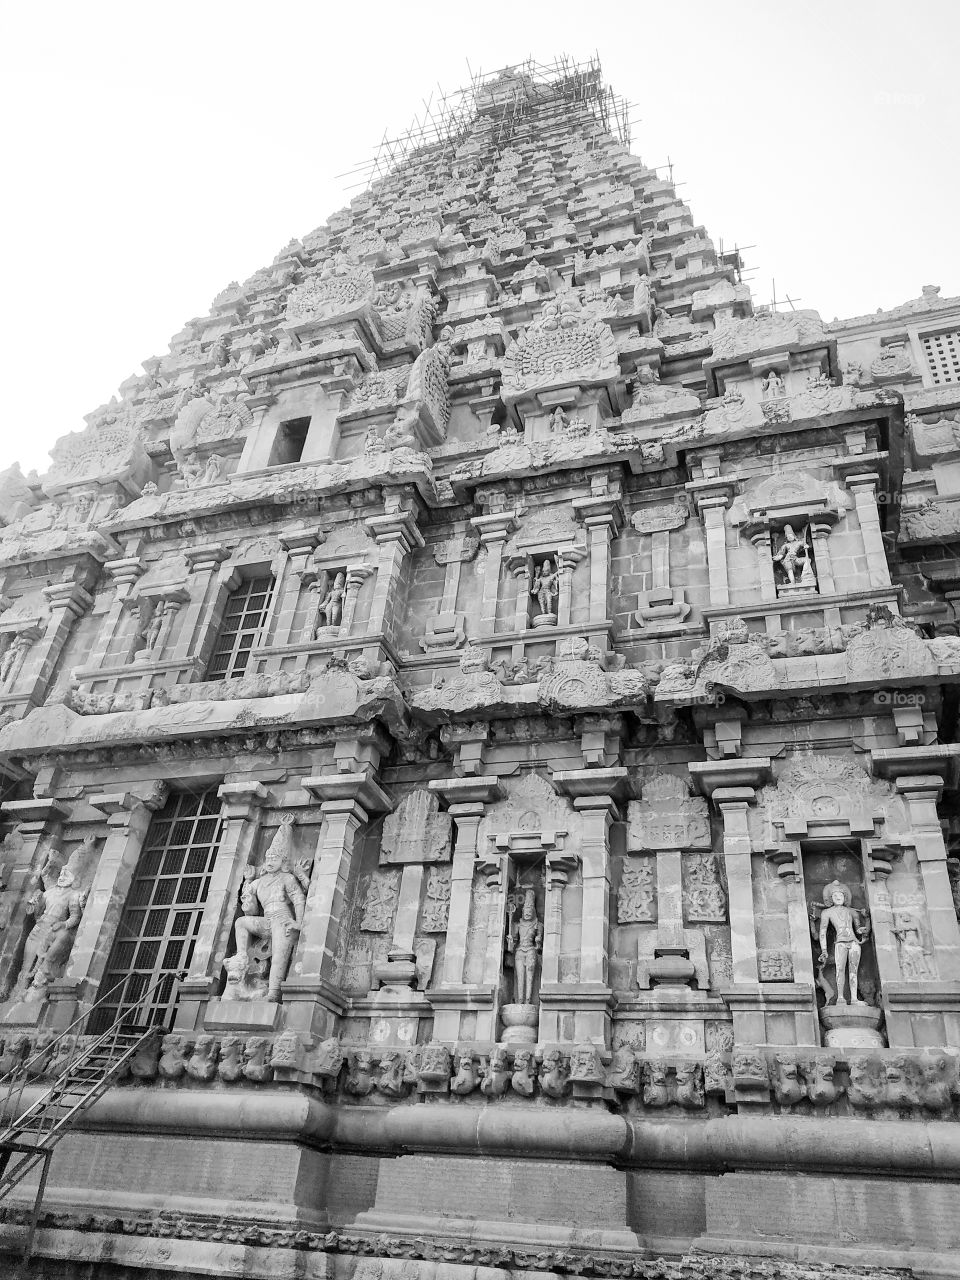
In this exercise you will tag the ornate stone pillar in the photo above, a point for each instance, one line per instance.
(194, 636)
(922, 794)
(494, 529)
(602, 517)
(594, 792)
(820, 533)
(299, 545)
(732, 786)
(711, 498)
(864, 490)
(125, 571)
(396, 534)
(240, 813)
(128, 818)
(768, 582)
(347, 801)
(452, 997)
(37, 822)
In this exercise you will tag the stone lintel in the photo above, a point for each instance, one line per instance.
(582, 783)
(467, 790)
(765, 995)
(748, 772)
(39, 812)
(941, 759)
(358, 787)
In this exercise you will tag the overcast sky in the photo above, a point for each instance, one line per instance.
(154, 152)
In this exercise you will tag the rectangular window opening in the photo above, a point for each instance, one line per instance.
(290, 441)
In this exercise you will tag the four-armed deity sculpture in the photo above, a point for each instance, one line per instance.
(329, 602)
(546, 591)
(56, 909)
(850, 928)
(278, 892)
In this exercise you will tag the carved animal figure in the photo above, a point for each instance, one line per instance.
(230, 1066)
(785, 1077)
(821, 1088)
(467, 1077)
(144, 1063)
(496, 1073)
(329, 1061)
(689, 1086)
(360, 1079)
(655, 1090)
(390, 1080)
(623, 1074)
(256, 1060)
(897, 1090)
(865, 1089)
(553, 1074)
(202, 1063)
(522, 1079)
(173, 1058)
(14, 1048)
(938, 1083)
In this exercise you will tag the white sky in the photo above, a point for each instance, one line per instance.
(155, 151)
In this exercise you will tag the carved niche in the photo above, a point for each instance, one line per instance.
(416, 831)
(668, 816)
(340, 288)
(566, 345)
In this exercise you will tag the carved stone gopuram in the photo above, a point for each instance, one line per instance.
(484, 703)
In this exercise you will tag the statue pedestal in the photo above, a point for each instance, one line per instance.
(519, 1023)
(544, 620)
(23, 1013)
(852, 1026)
(242, 1015)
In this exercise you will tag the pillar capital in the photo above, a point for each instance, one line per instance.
(721, 779)
(356, 788)
(935, 765)
(467, 791)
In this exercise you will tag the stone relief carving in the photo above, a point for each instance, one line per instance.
(380, 902)
(704, 898)
(56, 909)
(636, 903)
(668, 816)
(437, 904)
(272, 902)
(566, 344)
(416, 831)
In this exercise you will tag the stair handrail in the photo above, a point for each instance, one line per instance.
(19, 1072)
(57, 1086)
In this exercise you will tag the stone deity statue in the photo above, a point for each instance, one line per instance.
(330, 605)
(794, 557)
(12, 659)
(57, 909)
(525, 942)
(848, 935)
(546, 588)
(277, 892)
(772, 385)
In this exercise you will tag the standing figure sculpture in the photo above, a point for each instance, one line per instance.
(525, 942)
(330, 602)
(849, 932)
(276, 891)
(546, 588)
(57, 909)
(12, 658)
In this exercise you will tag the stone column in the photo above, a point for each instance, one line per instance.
(711, 498)
(240, 817)
(396, 535)
(768, 582)
(594, 792)
(128, 818)
(494, 529)
(68, 602)
(922, 794)
(567, 560)
(299, 545)
(357, 575)
(125, 571)
(864, 489)
(603, 519)
(203, 562)
(521, 619)
(37, 822)
(451, 998)
(347, 802)
(820, 533)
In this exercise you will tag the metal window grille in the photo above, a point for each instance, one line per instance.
(243, 619)
(942, 353)
(161, 919)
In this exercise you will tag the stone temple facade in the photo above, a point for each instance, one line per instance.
(513, 681)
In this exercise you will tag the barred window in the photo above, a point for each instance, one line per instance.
(942, 354)
(243, 620)
(161, 919)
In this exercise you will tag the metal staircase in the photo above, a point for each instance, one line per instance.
(32, 1134)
